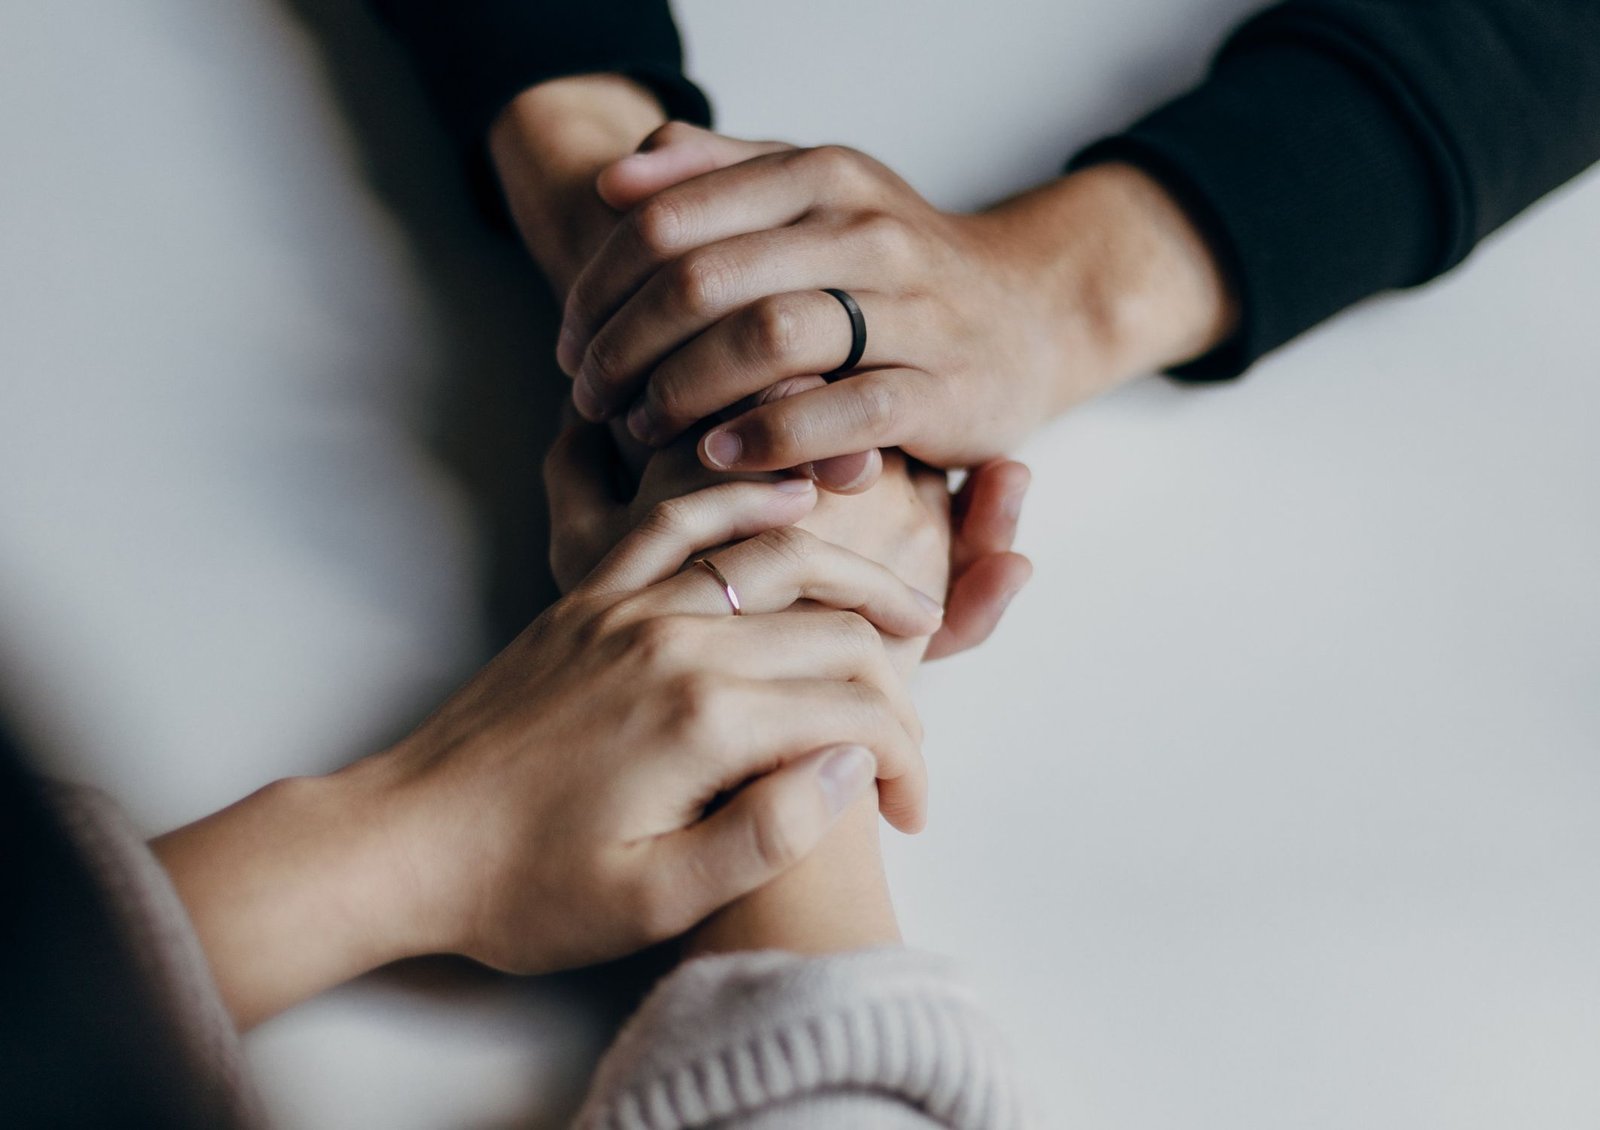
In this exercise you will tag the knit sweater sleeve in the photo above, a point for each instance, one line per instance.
(1339, 148)
(153, 923)
(772, 1041)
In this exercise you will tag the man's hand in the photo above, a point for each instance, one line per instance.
(980, 327)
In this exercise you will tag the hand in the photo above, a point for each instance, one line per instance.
(554, 810)
(910, 524)
(980, 327)
(551, 143)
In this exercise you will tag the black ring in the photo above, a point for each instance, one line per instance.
(858, 332)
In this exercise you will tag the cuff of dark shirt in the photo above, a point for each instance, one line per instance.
(475, 56)
(1304, 172)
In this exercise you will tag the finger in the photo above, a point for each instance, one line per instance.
(703, 285)
(978, 598)
(843, 474)
(751, 196)
(846, 474)
(772, 570)
(986, 510)
(885, 408)
(813, 643)
(671, 155)
(777, 721)
(766, 341)
(679, 527)
(770, 825)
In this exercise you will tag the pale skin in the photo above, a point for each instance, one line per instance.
(838, 898)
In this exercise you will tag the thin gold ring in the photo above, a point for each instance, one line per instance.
(727, 587)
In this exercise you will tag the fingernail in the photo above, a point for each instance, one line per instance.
(587, 400)
(568, 355)
(795, 486)
(843, 472)
(843, 775)
(1011, 505)
(723, 448)
(640, 424)
(929, 605)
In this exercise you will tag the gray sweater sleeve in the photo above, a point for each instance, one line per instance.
(156, 927)
(772, 1041)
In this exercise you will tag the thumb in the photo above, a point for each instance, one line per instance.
(673, 154)
(771, 824)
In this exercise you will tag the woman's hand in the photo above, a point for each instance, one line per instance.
(909, 521)
(558, 809)
(980, 327)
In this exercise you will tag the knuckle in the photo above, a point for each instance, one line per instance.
(703, 284)
(874, 708)
(839, 167)
(861, 637)
(696, 703)
(616, 621)
(671, 397)
(792, 546)
(661, 226)
(604, 358)
(668, 518)
(890, 240)
(880, 406)
(661, 640)
(870, 699)
(779, 433)
(774, 329)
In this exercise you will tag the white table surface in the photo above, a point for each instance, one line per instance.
(1275, 801)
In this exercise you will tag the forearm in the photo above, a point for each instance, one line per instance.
(296, 888)
(549, 144)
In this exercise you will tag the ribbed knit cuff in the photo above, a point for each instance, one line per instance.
(475, 56)
(1306, 176)
(750, 1034)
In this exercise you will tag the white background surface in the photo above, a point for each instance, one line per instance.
(1275, 801)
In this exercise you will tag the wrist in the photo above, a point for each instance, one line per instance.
(1119, 277)
(549, 144)
(835, 900)
(295, 889)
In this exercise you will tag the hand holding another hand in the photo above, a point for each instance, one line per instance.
(556, 810)
(980, 326)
